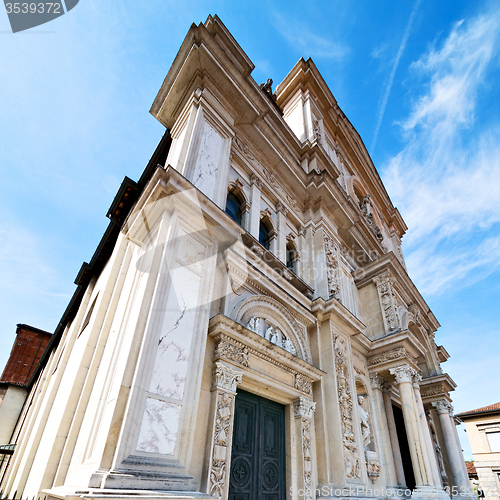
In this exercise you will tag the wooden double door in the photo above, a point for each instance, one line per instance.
(258, 453)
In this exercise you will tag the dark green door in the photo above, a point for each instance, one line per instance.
(258, 455)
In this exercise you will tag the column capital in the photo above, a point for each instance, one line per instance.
(416, 378)
(280, 208)
(377, 382)
(442, 407)
(303, 407)
(403, 373)
(225, 378)
(254, 179)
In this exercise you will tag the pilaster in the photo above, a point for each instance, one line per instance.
(304, 409)
(255, 195)
(224, 382)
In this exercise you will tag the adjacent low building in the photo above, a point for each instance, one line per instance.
(483, 430)
(246, 328)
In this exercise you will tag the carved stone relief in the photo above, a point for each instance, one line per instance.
(231, 352)
(303, 384)
(304, 409)
(261, 306)
(385, 287)
(244, 148)
(263, 328)
(332, 266)
(398, 353)
(351, 458)
(224, 384)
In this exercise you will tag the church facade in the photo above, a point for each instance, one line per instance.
(246, 328)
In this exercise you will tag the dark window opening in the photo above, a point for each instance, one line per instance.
(291, 258)
(264, 235)
(233, 207)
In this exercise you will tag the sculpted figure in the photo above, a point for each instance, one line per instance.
(253, 324)
(288, 346)
(366, 207)
(365, 426)
(269, 333)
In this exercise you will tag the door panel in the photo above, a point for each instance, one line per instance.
(258, 453)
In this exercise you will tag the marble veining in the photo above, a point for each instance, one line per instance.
(207, 162)
(159, 427)
(174, 342)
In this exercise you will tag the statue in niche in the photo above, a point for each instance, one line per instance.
(365, 426)
(366, 207)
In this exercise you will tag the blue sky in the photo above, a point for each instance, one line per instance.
(418, 79)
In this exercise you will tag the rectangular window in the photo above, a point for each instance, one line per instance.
(494, 441)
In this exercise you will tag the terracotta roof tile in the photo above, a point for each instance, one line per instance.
(493, 407)
(471, 469)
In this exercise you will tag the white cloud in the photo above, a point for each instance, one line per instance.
(446, 181)
(307, 43)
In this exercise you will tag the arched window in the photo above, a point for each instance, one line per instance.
(291, 257)
(264, 235)
(233, 207)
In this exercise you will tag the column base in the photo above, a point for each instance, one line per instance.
(141, 480)
(66, 493)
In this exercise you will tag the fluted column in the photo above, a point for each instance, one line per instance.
(304, 410)
(381, 427)
(444, 410)
(391, 424)
(403, 376)
(429, 460)
(224, 382)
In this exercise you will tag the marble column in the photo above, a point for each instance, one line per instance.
(304, 410)
(281, 247)
(455, 458)
(429, 460)
(381, 428)
(391, 425)
(255, 195)
(403, 376)
(224, 382)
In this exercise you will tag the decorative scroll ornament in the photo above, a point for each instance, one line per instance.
(443, 407)
(244, 148)
(373, 468)
(332, 264)
(385, 287)
(303, 384)
(433, 390)
(224, 378)
(254, 179)
(376, 381)
(403, 374)
(231, 352)
(316, 129)
(351, 459)
(303, 408)
(306, 450)
(398, 353)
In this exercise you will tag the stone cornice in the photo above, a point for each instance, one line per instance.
(403, 284)
(436, 387)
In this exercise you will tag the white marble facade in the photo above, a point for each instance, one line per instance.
(193, 306)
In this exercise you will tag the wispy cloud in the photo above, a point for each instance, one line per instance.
(446, 181)
(388, 87)
(307, 43)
